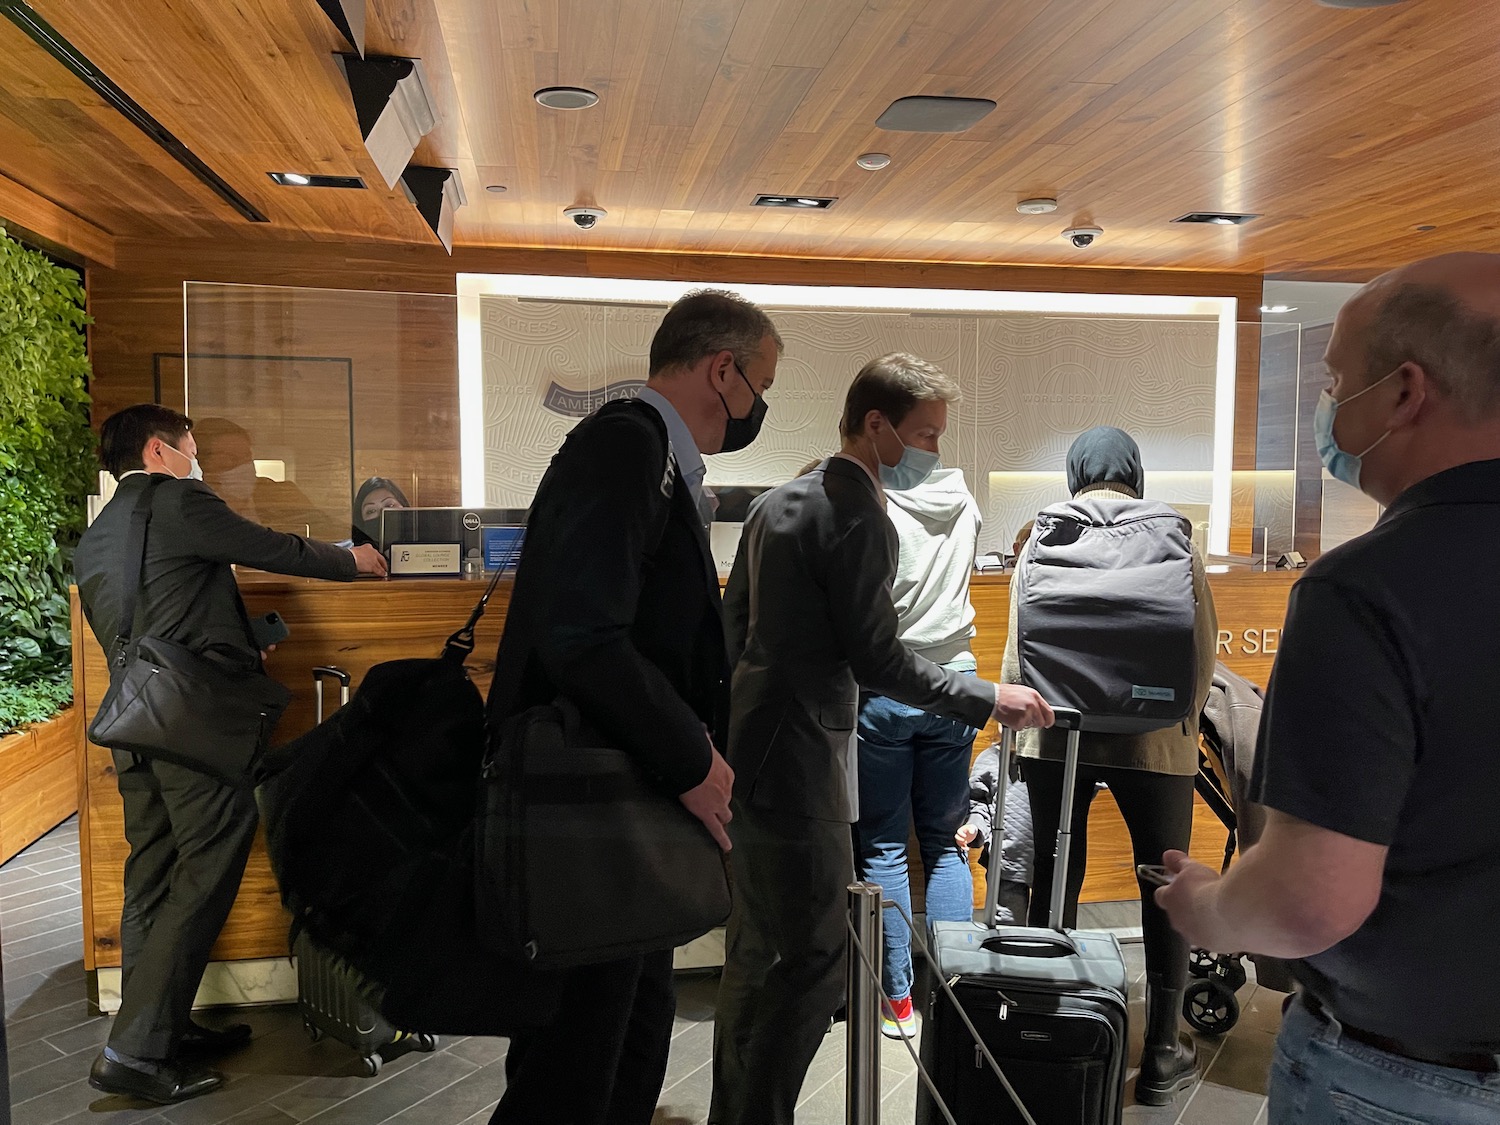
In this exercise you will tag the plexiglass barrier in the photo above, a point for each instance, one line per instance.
(312, 403)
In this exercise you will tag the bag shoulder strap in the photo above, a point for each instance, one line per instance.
(135, 559)
(461, 644)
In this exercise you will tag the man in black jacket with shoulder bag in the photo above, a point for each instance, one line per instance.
(189, 831)
(616, 608)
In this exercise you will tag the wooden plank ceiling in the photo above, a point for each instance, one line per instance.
(1344, 129)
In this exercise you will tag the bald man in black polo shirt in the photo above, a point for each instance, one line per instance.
(1379, 754)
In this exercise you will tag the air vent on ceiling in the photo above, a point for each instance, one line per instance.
(349, 17)
(805, 202)
(437, 193)
(933, 115)
(1216, 218)
(394, 108)
(302, 179)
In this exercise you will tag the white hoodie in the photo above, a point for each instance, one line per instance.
(938, 525)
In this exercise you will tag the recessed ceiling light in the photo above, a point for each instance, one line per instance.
(1278, 308)
(496, 188)
(1216, 218)
(1037, 206)
(808, 202)
(566, 97)
(302, 179)
(874, 161)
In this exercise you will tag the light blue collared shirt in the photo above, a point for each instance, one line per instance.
(684, 448)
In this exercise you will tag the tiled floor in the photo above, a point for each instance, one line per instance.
(283, 1079)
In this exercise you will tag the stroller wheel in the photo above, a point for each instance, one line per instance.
(1201, 963)
(1210, 1007)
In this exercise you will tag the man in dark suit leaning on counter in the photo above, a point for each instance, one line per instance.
(811, 622)
(616, 607)
(189, 833)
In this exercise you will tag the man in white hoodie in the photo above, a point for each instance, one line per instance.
(914, 766)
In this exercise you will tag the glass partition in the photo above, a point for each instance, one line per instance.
(303, 397)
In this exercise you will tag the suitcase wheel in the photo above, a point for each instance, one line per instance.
(1210, 1006)
(314, 1032)
(426, 1042)
(372, 1065)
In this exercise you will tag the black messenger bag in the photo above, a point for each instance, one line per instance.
(554, 788)
(166, 701)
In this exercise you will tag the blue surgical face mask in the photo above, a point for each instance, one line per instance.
(1340, 465)
(915, 466)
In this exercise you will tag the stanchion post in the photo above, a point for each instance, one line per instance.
(862, 1061)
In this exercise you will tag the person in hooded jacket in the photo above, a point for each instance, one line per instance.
(1150, 776)
(914, 766)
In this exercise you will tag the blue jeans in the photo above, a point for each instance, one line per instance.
(913, 768)
(1320, 1078)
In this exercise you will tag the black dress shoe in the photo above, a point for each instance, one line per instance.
(159, 1082)
(208, 1040)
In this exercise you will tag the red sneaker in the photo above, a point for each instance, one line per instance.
(898, 1021)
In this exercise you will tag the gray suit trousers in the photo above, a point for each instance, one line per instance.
(189, 838)
(784, 961)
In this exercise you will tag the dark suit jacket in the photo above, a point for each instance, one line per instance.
(188, 593)
(616, 604)
(811, 622)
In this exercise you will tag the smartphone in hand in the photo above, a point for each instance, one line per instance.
(1155, 874)
(269, 629)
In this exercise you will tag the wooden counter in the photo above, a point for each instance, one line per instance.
(360, 624)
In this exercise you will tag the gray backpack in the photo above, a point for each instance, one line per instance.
(1105, 612)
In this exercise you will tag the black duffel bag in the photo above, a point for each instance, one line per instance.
(554, 789)
(167, 701)
(369, 830)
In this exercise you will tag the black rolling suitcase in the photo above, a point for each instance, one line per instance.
(335, 998)
(1048, 1005)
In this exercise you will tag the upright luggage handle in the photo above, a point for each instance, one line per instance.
(1071, 720)
(329, 672)
(997, 828)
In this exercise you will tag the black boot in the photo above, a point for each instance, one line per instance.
(1169, 1060)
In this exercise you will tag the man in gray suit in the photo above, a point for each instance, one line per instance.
(189, 833)
(810, 622)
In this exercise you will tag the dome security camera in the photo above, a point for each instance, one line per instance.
(584, 218)
(1083, 237)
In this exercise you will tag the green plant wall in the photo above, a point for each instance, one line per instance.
(47, 469)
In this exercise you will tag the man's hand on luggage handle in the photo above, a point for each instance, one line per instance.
(369, 560)
(709, 799)
(1020, 707)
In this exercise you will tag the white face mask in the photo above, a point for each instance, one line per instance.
(195, 470)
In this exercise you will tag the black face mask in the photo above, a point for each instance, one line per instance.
(740, 432)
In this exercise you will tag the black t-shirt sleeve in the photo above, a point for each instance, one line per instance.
(1338, 742)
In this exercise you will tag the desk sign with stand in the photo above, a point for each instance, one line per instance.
(428, 560)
